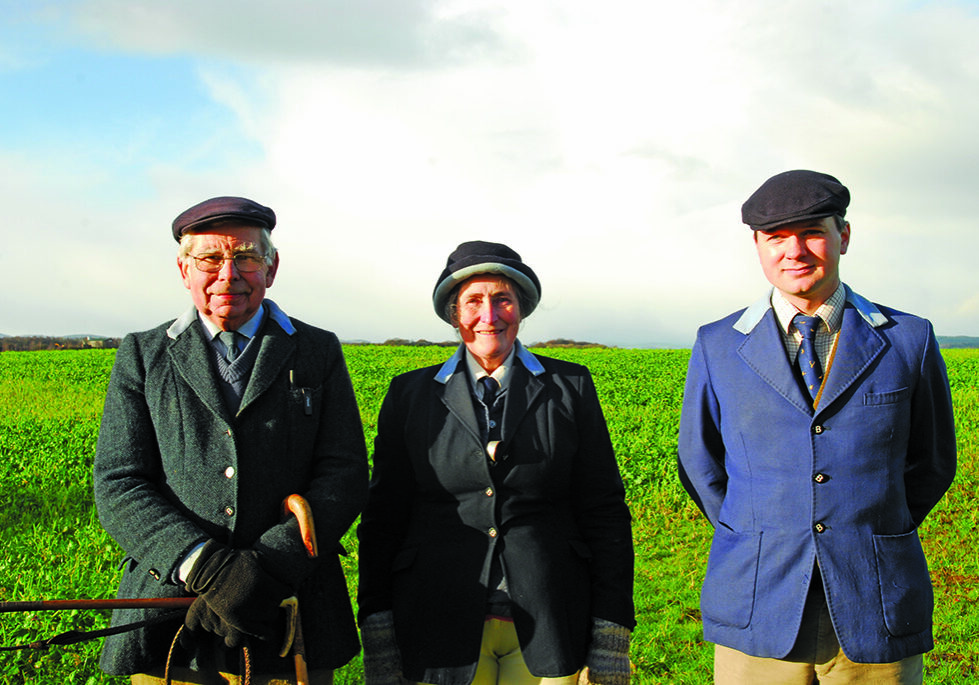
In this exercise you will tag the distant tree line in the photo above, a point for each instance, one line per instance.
(31, 343)
(557, 342)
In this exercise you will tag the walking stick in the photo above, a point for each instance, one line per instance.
(307, 531)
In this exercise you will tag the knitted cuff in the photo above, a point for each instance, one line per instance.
(382, 660)
(607, 662)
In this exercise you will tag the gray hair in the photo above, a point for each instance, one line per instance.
(524, 301)
(265, 246)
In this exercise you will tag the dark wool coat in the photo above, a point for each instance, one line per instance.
(553, 508)
(173, 468)
(846, 485)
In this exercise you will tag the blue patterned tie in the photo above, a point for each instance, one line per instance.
(808, 361)
(490, 386)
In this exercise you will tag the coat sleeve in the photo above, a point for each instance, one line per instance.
(701, 447)
(384, 523)
(931, 458)
(601, 511)
(127, 473)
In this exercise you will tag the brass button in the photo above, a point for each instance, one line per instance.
(817, 430)
(229, 472)
(230, 511)
(819, 528)
(492, 532)
(488, 492)
(820, 478)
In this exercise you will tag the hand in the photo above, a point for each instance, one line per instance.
(607, 662)
(382, 659)
(236, 597)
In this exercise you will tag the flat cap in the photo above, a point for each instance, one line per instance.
(223, 209)
(794, 196)
(480, 257)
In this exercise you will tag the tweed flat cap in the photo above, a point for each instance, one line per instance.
(223, 209)
(479, 257)
(794, 196)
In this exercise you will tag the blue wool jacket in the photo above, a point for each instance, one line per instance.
(844, 486)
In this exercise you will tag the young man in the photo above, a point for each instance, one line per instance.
(816, 435)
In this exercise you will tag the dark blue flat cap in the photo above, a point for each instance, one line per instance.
(794, 196)
(223, 209)
(480, 257)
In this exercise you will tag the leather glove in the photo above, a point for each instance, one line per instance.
(607, 662)
(382, 659)
(237, 598)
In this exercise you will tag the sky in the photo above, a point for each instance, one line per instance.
(610, 143)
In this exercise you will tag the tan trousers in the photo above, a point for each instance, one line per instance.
(815, 658)
(501, 661)
(184, 676)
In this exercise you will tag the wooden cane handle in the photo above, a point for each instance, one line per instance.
(299, 507)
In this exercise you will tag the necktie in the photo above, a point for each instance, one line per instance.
(229, 338)
(490, 388)
(812, 372)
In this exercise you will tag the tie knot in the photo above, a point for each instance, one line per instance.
(490, 388)
(230, 340)
(806, 325)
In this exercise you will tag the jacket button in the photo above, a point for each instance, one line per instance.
(817, 430)
(820, 478)
(153, 572)
(229, 472)
(819, 528)
(230, 511)
(491, 532)
(488, 492)
(228, 432)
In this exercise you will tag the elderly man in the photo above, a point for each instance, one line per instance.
(816, 435)
(210, 422)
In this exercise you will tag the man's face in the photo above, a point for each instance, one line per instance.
(802, 260)
(228, 297)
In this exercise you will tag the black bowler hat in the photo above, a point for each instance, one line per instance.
(223, 209)
(479, 257)
(794, 196)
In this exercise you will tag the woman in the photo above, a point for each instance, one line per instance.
(496, 543)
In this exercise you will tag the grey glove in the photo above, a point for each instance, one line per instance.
(382, 659)
(236, 596)
(607, 662)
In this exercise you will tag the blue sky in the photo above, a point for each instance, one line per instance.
(611, 144)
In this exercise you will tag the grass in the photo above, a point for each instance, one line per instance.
(51, 544)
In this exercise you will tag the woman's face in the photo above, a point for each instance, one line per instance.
(488, 316)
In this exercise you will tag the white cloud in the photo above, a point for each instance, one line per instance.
(612, 145)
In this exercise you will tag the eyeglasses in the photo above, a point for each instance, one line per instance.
(245, 262)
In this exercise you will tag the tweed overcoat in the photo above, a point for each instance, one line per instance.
(553, 507)
(845, 486)
(174, 468)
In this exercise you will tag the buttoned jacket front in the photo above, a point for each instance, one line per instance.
(174, 468)
(844, 486)
(553, 508)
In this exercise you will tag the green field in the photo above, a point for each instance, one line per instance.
(51, 544)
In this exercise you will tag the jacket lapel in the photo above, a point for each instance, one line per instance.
(276, 349)
(191, 354)
(454, 394)
(858, 346)
(764, 352)
(520, 397)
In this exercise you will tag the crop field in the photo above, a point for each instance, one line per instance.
(52, 546)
